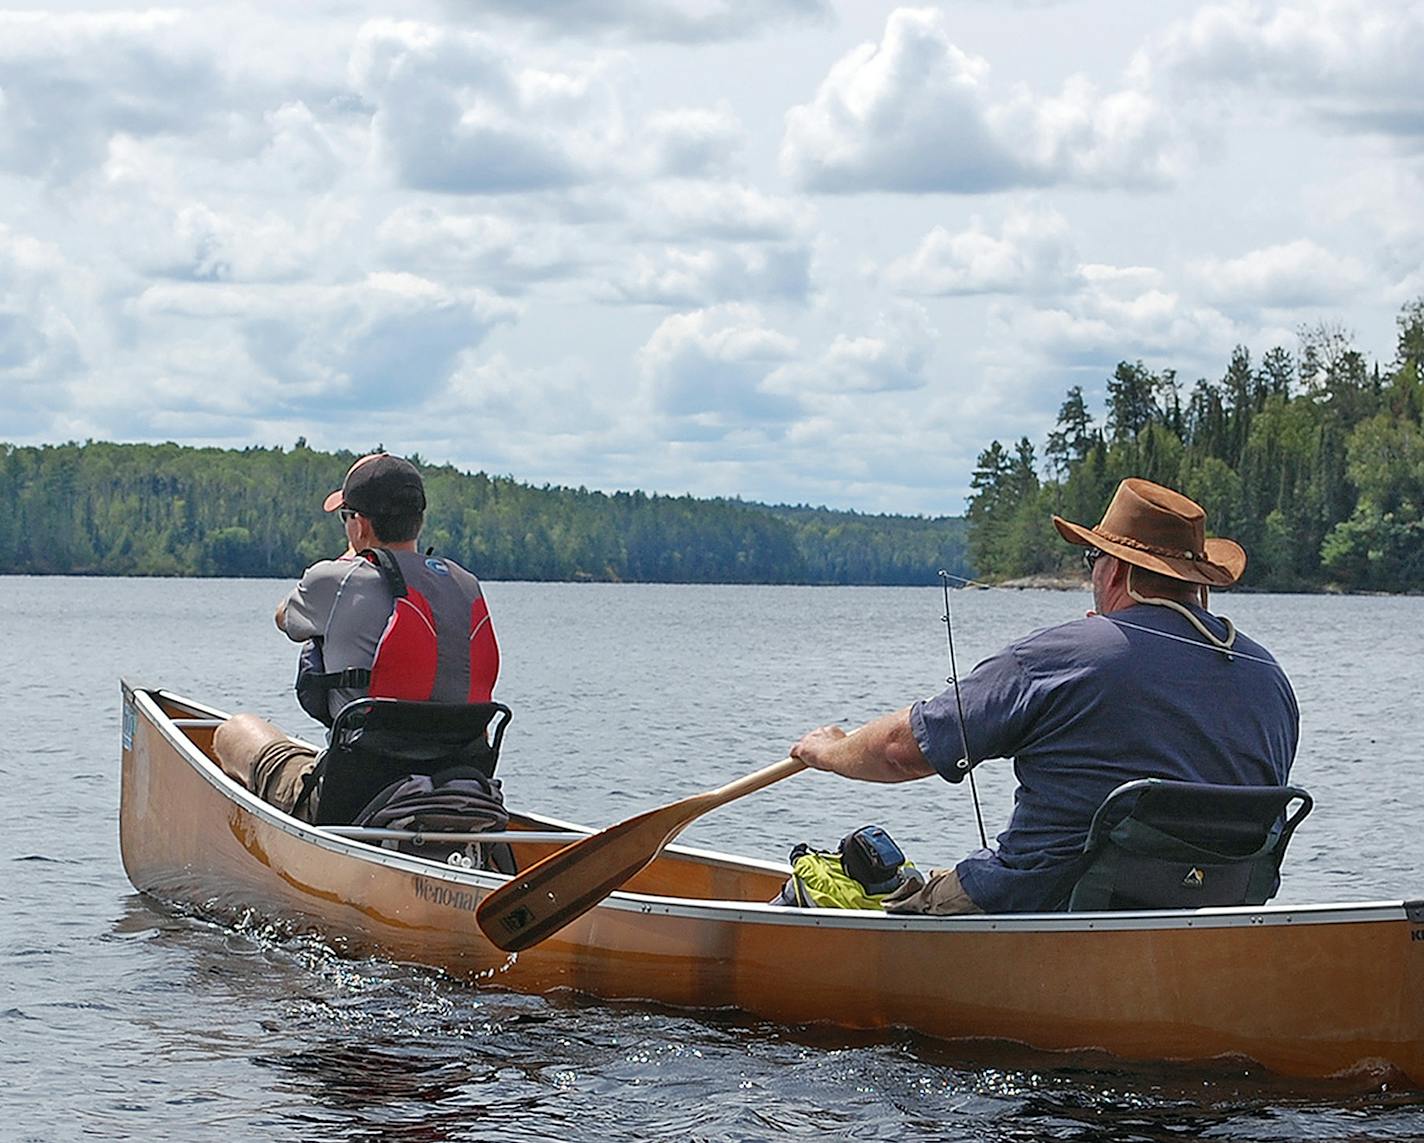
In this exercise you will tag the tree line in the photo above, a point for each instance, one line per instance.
(1313, 460)
(103, 508)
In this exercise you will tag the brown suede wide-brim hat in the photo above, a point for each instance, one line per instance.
(1162, 531)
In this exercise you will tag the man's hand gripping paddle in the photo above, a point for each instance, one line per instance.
(566, 884)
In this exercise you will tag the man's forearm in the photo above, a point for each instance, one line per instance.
(883, 750)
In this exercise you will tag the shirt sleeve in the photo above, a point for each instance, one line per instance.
(309, 604)
(998, 709)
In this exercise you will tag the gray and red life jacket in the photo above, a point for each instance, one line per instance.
(437, 646)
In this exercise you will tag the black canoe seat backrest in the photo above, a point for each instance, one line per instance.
(1155, 844)
(377, 741)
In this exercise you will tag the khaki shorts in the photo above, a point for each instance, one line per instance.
(938, 895)
(274, 767)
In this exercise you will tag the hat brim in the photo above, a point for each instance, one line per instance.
(334, 501)
(1224, 563)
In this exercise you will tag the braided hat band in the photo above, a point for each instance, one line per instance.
(1155, 528)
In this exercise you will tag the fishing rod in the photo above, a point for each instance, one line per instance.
(965, 762)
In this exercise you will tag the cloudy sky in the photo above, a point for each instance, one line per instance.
(793, 250)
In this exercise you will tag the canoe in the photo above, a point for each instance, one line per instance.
(1302, 990)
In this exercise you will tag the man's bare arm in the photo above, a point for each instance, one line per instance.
(883, 750)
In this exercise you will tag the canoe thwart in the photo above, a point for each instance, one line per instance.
(371, 833)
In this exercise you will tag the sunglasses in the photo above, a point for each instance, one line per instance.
(347, 514)
(1092, 556)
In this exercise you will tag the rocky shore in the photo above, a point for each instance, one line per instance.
(1048, 582)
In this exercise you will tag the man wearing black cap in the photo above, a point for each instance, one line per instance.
(382, 619)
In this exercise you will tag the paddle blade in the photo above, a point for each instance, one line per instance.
(568, 883)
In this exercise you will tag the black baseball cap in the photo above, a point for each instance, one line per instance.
(379, 485)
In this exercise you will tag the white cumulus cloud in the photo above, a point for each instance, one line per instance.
(40, 342)
(729, 211)
(916, 113)
(457, 112)
(498, 251)
(1299, 273)
(1354, 62)
(1118, 313)
(709, 368)
(384, 342)
(694, 141)
(700, 278)
(891, 357)
(71, 82)
(1032, 252)
(676, 21)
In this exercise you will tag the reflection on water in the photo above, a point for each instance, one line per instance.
(372, 1088)
(392, 1053)
(120, 1020)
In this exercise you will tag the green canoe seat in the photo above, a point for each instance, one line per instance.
(1158, 844)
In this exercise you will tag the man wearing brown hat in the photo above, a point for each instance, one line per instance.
(382, 619)
(1149, 685)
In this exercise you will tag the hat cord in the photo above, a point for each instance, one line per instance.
(1230, 653)
(1220, 644)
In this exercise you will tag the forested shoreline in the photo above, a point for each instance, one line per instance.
(103, 508)
(1313, 460)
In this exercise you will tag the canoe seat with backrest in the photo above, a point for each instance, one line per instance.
(1156, 844)
(377, 744)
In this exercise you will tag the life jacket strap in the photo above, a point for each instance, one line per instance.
(349, 679)
(386, 564)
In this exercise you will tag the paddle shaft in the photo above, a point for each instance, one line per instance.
(548, 895)
(749, 784)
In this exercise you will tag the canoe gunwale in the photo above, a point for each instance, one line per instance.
(745, 912)
(1145, 920)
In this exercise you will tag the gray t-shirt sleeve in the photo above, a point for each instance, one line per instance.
(310, 602)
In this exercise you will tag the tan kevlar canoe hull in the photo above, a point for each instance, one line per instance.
(1307, 991)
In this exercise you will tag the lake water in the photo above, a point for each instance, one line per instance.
(121, 1021)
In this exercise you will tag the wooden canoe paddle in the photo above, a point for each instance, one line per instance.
(571, 881)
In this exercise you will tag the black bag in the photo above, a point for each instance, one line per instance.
(866, 866)
(457, 800)
(871, 856)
